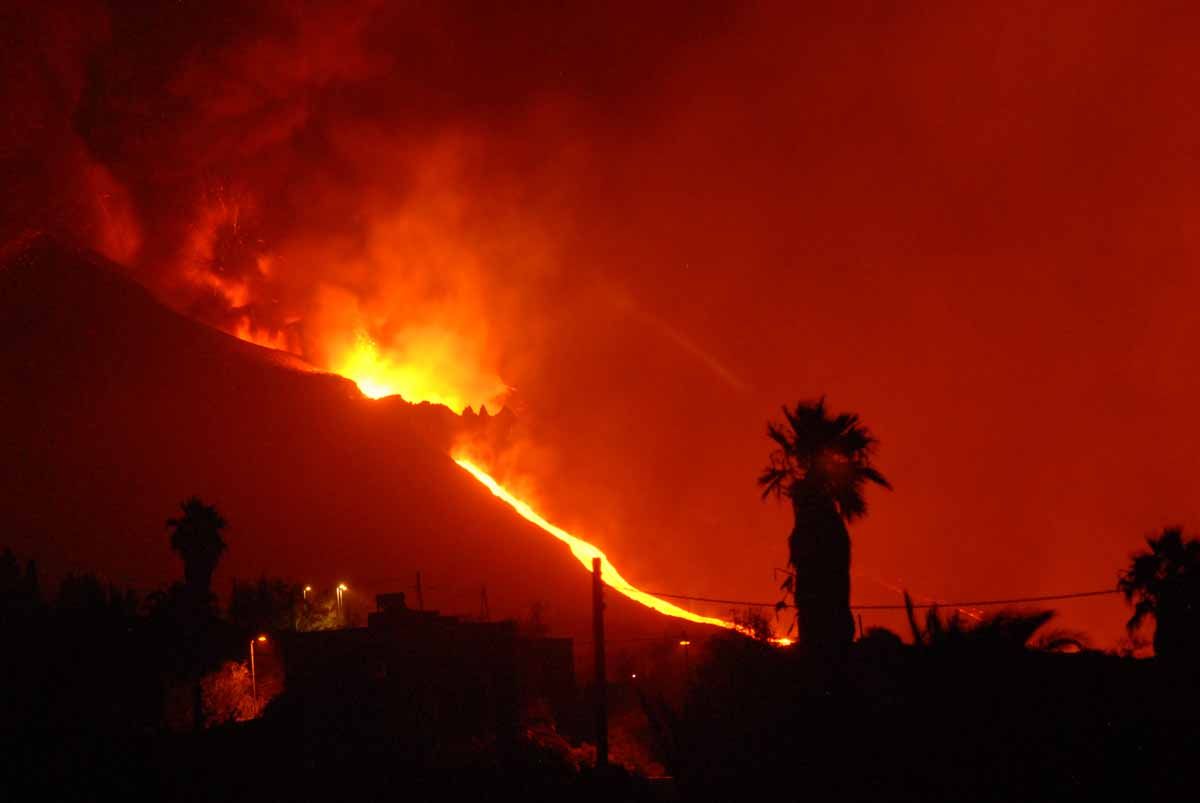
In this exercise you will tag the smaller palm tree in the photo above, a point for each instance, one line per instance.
(196, 538)
(1001, 631)
(1163, 582)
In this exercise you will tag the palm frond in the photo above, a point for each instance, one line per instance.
(830, 455)
(1060, 641)
(1015, 627)
(1161, 575)
(918, 638)
(871, 474)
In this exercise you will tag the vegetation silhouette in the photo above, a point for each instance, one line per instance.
(822, 466)
(95, 691)
(1163, 582)
(195, 640)
(86, 596)
(20, 589)
(995, 632)
(196, 538)
(101, 698)
(266, 605)
(999, 708)
(10, 572)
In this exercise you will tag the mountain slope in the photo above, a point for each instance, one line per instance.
(115, 409)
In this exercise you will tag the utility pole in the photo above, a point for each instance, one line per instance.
(601, 678)
(420, 594)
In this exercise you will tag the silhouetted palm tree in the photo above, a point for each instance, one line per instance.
(1164, 582)
(822, 465)
(196, 537)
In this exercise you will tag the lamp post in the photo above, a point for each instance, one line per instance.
(686, 662)
(341, 589)
(307, 591)
(253, 679)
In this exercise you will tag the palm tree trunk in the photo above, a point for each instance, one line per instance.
(819, 554)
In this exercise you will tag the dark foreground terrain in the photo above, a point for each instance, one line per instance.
(83, 720)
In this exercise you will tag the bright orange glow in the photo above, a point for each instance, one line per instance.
(685, 644)
(585, 552)
(343, 587)
(262, 638)
(427, 366)
(368, 370)
(430, 373)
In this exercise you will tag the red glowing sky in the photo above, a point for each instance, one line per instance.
(973, 227)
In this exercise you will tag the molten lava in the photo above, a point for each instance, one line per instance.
(425, 364)
(372, 373)
(585, 552)
(420, 363)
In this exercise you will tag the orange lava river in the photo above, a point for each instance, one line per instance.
(585, 552)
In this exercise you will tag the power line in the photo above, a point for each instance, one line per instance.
(892, 607)
(979, 603)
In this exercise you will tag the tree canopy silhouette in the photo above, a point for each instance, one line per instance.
(196, 537)
(994, 633)
(270, 604)
(1164, 582)
(822, 465)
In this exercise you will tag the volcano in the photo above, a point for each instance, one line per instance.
(116, 408)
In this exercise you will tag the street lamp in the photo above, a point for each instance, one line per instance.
(341, 589)
(686, 662)
(253, 679)
(307, 591)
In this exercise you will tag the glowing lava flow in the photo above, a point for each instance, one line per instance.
(584, 552)
(446, 372)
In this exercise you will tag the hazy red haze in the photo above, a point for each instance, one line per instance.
(975, 228)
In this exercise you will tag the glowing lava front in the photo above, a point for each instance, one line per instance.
(584, 552)
(378, 375)
(371, 372)
(425, 364)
